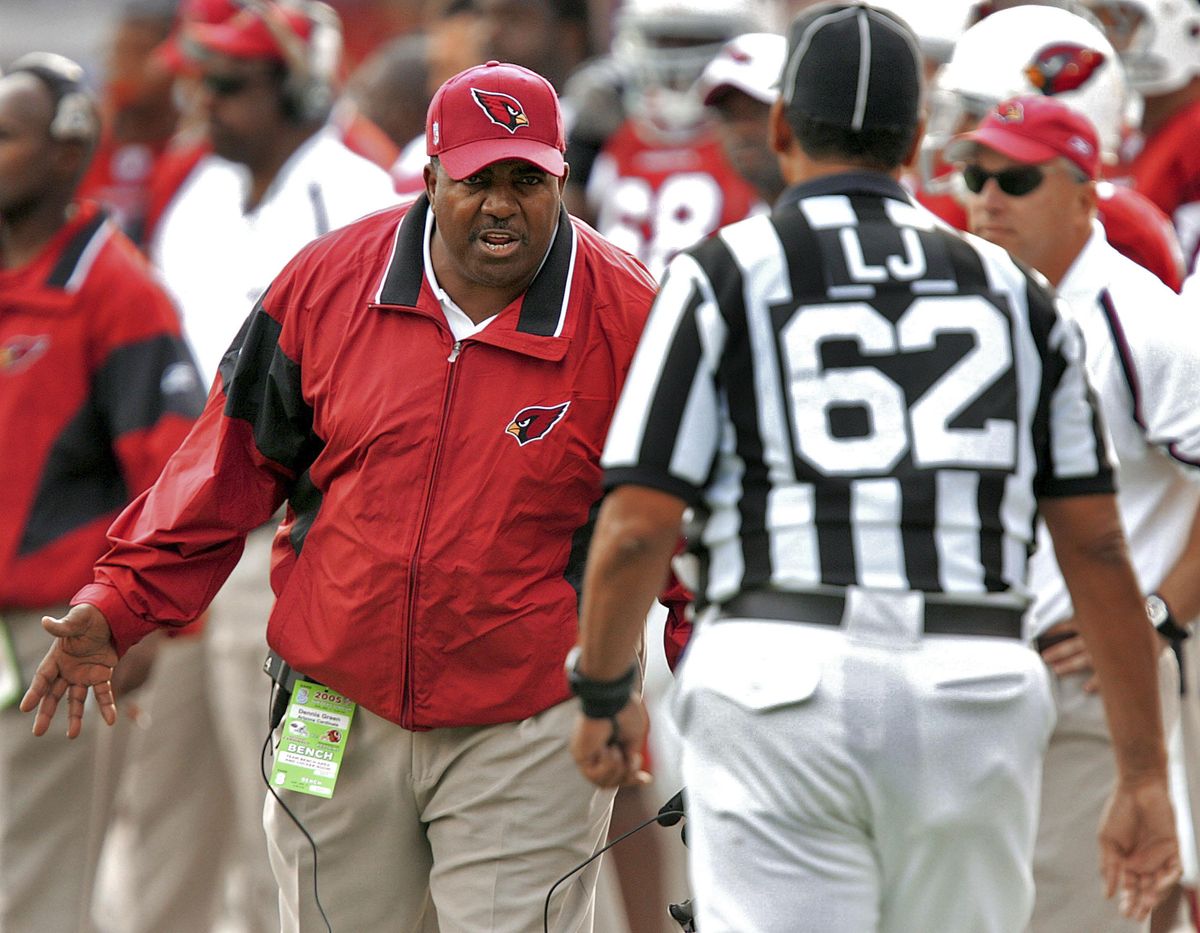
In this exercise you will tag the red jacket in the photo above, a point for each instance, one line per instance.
(441, 495)
(96, 390)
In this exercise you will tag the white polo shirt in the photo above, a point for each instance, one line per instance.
(1143, 358)
(217, 259)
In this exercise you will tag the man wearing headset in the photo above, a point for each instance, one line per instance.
(279, 176)
(97, 389)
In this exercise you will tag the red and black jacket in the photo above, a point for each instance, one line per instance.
(96, 390)
(440, 494)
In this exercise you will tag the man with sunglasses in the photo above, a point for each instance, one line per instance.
(1029, 169)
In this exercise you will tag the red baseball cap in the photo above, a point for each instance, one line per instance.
(247, 34)
(494, 112)
(1033, 129)
(170, 53)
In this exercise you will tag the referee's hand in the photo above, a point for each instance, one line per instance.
(609, 751)
(1139, 851)
(81, 656)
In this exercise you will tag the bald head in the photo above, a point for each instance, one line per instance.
(26, 99)
(36, 168)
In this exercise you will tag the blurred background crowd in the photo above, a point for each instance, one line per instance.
(212, 110)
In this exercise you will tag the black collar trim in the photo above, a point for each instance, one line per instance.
(544, 306)
(402, 281)
(76, 258)
(845, 183)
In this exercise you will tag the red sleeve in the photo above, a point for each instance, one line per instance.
(174, 546)
(145, 386)
(678, 630)
(1136, 228)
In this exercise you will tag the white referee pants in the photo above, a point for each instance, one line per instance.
(848, 781)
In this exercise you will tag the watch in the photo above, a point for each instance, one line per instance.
(1159, 614)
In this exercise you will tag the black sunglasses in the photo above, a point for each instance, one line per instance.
(1016, 181)
(225, 85)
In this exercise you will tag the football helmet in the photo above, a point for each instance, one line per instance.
(662, 46)
(937, 26)
(1158, 40)
(1026, 50)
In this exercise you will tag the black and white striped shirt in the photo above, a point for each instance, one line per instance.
(848, 393)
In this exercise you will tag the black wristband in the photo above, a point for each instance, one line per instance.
(600, 699)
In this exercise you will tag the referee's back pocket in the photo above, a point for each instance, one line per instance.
(770, 667)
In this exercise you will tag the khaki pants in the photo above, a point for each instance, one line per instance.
(1078, 776)
(55, 795)
(467, 827)
(1189, 722)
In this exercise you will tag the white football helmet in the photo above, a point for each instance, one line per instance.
(937, 25)
(1158, 40)
(662, 46)
(1026, 50)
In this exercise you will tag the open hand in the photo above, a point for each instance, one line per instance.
(81, 656)
(1139, 851)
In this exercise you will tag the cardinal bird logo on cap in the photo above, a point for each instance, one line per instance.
(1010, 112)
(1063, 66)
(502, 109)
(533, 423)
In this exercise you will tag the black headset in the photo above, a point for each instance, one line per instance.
(308, 88)
(75, 115)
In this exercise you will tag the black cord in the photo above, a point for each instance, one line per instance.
(599, 852)
(262, 767)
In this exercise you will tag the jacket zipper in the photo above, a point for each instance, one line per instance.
(407, 712)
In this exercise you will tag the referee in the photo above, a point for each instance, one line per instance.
(866, 414)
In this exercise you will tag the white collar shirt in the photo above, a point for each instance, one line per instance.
(217, 258)
(1143, 359)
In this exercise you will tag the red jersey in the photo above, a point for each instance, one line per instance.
(119, 178)
(440, 492)
(1167, 171)
(1136, 228)
(655, 199)
(96, 390)
(363, 137)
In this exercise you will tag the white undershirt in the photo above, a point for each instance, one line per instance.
(461, 326)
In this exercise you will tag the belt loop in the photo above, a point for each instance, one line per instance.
(884, 617)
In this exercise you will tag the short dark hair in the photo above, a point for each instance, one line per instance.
(879, 148)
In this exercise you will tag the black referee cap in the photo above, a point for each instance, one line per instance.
(854, 66)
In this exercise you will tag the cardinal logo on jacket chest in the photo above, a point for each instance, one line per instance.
(533, 423)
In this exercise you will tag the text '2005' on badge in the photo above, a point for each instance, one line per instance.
(313, 740)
